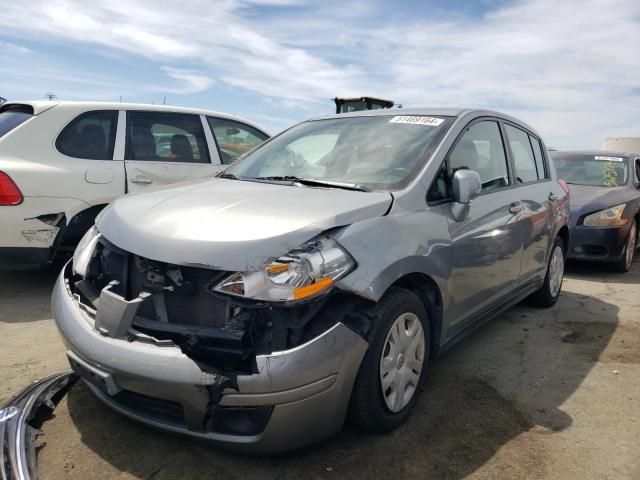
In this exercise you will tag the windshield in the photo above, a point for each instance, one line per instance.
(376, 152)
(593, 170)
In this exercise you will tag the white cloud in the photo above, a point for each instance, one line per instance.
(192, 81)
(568, 68)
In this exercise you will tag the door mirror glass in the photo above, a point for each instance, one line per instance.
(466, 186)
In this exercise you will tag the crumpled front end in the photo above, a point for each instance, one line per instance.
(156, 343)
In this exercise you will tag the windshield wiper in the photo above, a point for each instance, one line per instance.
(230, 176)
(314, 183)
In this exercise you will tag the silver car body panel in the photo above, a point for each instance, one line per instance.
(487, 261)
(309, 385)
(182, 224)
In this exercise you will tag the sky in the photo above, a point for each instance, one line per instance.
(569, 68)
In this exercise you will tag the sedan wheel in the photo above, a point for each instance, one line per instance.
(556, 270)
(401, 361)
(630, 249)
(631, 245)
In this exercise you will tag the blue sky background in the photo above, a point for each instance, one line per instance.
(571, 69)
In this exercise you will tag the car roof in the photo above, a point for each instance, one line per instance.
(40, 106)
(592, 153)
(438, 111)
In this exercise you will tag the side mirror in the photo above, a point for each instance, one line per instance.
(466, 186)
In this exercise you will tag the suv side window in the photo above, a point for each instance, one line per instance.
(538, 154)
(165, 137)
(481, 149)
(90, 135)
(523, 159)
(234, 138)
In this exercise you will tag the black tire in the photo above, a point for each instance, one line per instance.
(367, 407)
(631, 243)
(544, 297)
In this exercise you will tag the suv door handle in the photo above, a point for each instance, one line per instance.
(141, 179)
(553, 197)
(515, 207)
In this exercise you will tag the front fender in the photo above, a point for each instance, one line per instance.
(391, 247)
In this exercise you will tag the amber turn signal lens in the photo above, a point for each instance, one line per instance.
(316, 287)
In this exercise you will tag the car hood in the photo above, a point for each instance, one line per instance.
(604, 197)
(586, 199)
(231, 224)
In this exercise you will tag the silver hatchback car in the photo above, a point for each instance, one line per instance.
(315, 277)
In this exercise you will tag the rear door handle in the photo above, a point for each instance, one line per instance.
(553, 197)
(515, 207)
(141, 179)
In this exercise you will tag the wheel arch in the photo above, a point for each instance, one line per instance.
(79, 223)
(563, 233)
(429, 293)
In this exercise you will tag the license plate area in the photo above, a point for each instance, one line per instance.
(101, 379)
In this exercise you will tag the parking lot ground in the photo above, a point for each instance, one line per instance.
(535, 394)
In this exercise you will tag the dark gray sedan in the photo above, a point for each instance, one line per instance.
(605, 204)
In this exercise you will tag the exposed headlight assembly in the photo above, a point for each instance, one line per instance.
(303, 273)
(84, 251)
(611, 217)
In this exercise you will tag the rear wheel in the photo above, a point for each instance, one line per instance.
(548, 294)
(393, 369)
(630, 249)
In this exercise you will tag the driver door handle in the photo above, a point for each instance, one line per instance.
(141, 179)
(515, 207)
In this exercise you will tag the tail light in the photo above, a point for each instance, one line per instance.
(10, 194)
(565, 187)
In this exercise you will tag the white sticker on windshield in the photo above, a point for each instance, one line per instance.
(609, 159)
(418, 120)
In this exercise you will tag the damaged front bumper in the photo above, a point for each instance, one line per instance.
(295, 397)
(20, 421)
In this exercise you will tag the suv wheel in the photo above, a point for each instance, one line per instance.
(630, 249)
(394, 367)
(548, 294)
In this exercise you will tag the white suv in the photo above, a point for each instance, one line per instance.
(62, 162)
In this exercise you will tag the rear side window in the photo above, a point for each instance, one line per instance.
(537, 153)
(11, 119)
(523, 159)
(166, 137)
(234, 138)
(91, 135)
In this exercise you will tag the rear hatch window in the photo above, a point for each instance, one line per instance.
(10, 119)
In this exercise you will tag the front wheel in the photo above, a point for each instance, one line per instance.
(393, 369)
(548, 294)
(630, 249)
